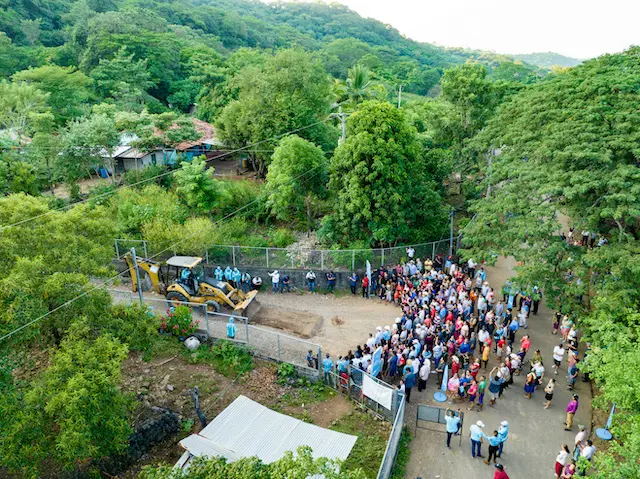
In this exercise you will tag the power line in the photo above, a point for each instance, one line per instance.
(109, 280)
(161, 175)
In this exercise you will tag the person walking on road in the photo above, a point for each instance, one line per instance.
(453, 425)
(548, 392)
(558, 354)
(572, 407)
(494, 444)
(476, 434)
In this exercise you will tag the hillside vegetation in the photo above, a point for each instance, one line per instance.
(547, 59)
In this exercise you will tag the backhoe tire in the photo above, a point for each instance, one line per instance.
(174, 299)
(212, 306)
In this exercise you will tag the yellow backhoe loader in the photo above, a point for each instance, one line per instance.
(192, 285)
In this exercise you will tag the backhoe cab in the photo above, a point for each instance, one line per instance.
(193, 286)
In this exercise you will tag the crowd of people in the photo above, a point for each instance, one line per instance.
(452, 320)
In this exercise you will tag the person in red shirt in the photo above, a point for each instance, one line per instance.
(525, 343)
(500, 474)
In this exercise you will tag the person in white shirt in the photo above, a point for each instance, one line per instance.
(311, 280)
(275, 280)
(483, 335)
(425, 371)
(561, 460)
(411, 252)
(588, 451)
(558, 354)
(371, 341)
(522, 318)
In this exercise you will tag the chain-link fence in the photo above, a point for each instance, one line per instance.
(263, 342)
(295, 257)
(391, 452)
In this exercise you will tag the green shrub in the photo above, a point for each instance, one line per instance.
(144, 176)
(178, 321)
(134, 325)
(228, 358)
(281, 238)
(286, 372)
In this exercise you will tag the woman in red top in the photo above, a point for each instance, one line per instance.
(525, 342)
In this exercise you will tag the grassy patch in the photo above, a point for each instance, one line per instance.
(307, 393)
(162, 346)
(226, 357)
(372, 441)
(402, 459)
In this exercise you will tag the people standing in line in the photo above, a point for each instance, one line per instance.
(236, 276)
(365, 287)
(548, 392)
(245, 281)
(311, 281)
(561, 460)
(572, 374)
(353, 282)
(425, 371)
(275, 281)
(572, 407)
(494, 444)
(409, 383)
(331, 281)
(452, 425)
(327, 367)
(228, 274)
(476, 434)
(503, 434)
(285, 284)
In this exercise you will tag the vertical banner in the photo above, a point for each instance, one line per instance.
(376, 362)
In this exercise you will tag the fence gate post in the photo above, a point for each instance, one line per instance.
(117, 250)
(353, 259)
(266, 250)
(233, 254)
(319, 358)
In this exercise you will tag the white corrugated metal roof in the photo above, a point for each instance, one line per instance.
(246, 428)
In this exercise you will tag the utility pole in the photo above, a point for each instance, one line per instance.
(135, 265)
(343, 123)
(451, 232)
(399, 95)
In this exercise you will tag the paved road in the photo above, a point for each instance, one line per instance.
(536, 435)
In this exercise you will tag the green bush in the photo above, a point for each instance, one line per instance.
(134, 325)
(228, 358)
(286, 372)
(281, 238)
(144, 176)
(178, 322)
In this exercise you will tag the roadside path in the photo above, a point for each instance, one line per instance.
(535, 434)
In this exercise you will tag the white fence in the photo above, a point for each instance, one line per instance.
(292, 257)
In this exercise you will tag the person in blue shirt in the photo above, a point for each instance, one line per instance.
(494, 444)
(218, 273)
(452, 425)
(327, 366)
(228, 274)
(342, 364)
(409, 382)
(353, 282)
(235, 277)
(503, 432)
(465, 347)
(476, 434)
(393, 365)
(231, 328)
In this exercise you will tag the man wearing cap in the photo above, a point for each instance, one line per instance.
(572, 407)
(503, 432)
(500, 474)
(476, 434)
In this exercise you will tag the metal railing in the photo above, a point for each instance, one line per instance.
(391, 452)
(293, 257)
(262, 342)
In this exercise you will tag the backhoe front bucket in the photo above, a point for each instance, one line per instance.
(248, 307)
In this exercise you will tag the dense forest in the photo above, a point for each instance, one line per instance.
(273, 82)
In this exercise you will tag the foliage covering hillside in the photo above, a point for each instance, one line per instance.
(548, 59)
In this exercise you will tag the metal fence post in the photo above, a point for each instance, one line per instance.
(246, 328)
(233, 254)
(433, 254)
(319, 357)
(382, 262)
(206, 256)
(321, 259)
(206, 318)
(353, 259)
(292, 266)
(266, 250)
(278, 336)
(117, 250)
(144, 245)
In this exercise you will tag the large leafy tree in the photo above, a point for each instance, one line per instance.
(290, 92)
(383, 193)
(568, 147)
(68, 89)
(296, 179)
(196, 186)
(23, 109)
(73, 413)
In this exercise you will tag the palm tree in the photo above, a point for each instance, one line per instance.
(358, 84)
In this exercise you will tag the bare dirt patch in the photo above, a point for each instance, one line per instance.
(303, 325)
(337, 321)
(325, 413)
